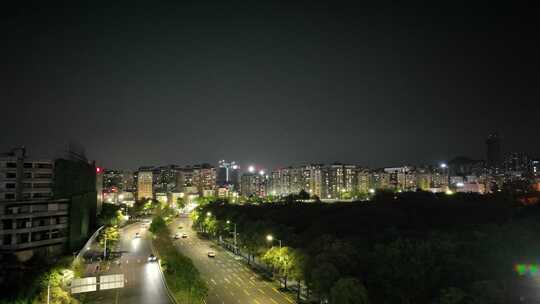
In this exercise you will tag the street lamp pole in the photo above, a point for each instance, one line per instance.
(105, 249)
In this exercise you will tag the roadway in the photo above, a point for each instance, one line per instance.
(229, 280)
(143, 280)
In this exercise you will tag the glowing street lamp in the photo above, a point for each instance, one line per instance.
(270, 238)
(444, 166)
(208, 213)
(372, 191)
(261, 172)
(251, 169)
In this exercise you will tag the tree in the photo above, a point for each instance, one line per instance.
(270, 257)
(110, 234)
(298, 271)
(158, 225)
(303, 195)
(253, 238)
(348, 291)
(110, 215)
(181, 203)
(322, 279)
(286, 260)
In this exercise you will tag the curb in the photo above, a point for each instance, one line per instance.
(169, 292)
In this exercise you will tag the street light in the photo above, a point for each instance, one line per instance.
(270, 238)
(208, 213)
(372, 191)
(251, 169)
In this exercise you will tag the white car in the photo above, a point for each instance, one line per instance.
(211, 254)
(152, 258)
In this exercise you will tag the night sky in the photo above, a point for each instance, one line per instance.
(273, 84)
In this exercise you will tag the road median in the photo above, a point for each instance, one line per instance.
(182, 277)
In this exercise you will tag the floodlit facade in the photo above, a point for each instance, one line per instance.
(144, 185)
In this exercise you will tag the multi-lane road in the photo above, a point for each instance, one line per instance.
(143, 280)
(229, 280)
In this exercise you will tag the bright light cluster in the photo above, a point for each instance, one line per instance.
(526, 269)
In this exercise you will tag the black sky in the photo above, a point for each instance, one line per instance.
(274, 84)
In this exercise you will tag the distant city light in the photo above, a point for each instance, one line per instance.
(261, 172)
(98, 169)
(372, 191)
(121, 197)
(460, 184)
(443, 165)
(449, 192)
(269, 238)
(235, 167)
(208, 213)
(251, 169)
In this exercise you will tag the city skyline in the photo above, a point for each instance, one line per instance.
(268, 83)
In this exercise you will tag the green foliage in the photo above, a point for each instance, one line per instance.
(348, 291)
(181, 203)
(111, 234)
(158, 225)
(404, 248)
(322, 279)
(183, 279)
(109, 215)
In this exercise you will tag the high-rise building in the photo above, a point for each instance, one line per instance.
(22, 178)
(144, 185)
(364, 181)
(204, 178)
(401, 178)
(338, 179)
(517, 163)
(253, 184)
(312, 179)
(184, 179)
(493, 151)
(164, 178)
(61, 217)
(535, 167)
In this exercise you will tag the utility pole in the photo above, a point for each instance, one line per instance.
(49, 292)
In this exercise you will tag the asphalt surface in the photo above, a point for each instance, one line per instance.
(143, 281)
(229, 280)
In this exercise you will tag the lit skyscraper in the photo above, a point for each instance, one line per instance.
(144, 185)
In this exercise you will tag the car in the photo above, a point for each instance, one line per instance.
(152, 258)
(211, 254)
(184, 235)
(137, 235)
